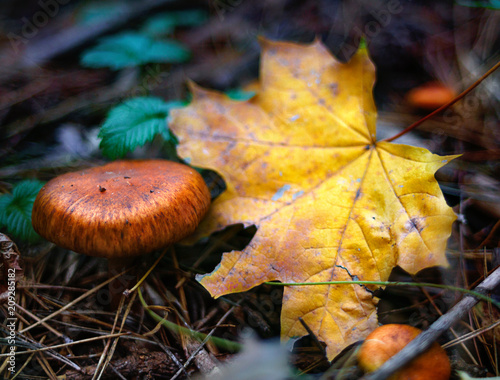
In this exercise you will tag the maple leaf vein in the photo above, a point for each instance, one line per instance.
(342, 236)
(386, 172)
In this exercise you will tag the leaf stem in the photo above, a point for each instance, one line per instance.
(392, 283)
(450, 103)
(220, 342)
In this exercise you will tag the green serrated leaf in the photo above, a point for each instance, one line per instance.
(130, 49)
(15, 210)
(167, 51)
(134, 123)
(165, 23)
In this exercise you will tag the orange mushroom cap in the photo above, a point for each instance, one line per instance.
(122, 209)
(386, 341)
(430, 96)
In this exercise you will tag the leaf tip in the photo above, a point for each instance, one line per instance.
(196, 90)
(199, 277)
(203, 280)
(263, 41)
(363, 45)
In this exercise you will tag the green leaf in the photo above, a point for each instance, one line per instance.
(95, 13)
(489, 4)
(191, 17)
(159, 26)
(134, 123)
(15, 210)
(165, 23)
(239, 94)
(133, 49)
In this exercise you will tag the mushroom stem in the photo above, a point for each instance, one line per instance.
(124, 265)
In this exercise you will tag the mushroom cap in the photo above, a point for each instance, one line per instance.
(386, 341)
(122, 209)
(430, 96)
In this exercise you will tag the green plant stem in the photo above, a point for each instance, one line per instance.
(219, 342)
(392, 283)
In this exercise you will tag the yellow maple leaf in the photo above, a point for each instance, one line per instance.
(301, 162)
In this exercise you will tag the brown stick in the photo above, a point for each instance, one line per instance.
(423, 341)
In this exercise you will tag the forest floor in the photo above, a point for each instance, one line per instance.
(51, 109)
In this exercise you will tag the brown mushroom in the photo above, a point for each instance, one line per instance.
(387, 340)
(121, 210)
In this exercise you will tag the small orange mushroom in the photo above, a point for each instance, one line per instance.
(387, 340)
(121, 210)
(430, 96)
